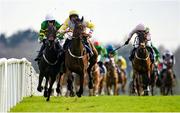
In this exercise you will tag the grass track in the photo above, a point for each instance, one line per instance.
(100, 104)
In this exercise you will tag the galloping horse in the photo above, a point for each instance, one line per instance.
(122, 79)
(111, 76)
(167, 78)
(76, 58)
(49, 64)
(142, 67)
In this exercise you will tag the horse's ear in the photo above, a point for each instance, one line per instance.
(82, 19)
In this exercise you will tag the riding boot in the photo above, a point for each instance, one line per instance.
(88, 48)
(102, 70)
(132, 54)
(40, 53)
(66, 44)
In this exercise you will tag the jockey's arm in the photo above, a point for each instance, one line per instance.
(64, 27)
(42, 32)
(91, 26)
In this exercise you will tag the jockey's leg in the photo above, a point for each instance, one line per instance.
(88, 47)
(150, 49)
(132, 54)
(100, 63)
(40, 52)
(66, 44)
(92, 61)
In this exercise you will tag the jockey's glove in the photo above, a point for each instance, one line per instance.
(60, 36)
(127, 42)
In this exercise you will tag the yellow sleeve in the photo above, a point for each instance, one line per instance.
(65, 25)
(124, 64)
(90, 25)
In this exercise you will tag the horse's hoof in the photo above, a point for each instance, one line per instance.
(47, 99)
(58, 90)
(78, 94)
(45, 94)
(72, 94)
(40, 88)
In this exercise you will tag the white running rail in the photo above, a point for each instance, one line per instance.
(17, 78)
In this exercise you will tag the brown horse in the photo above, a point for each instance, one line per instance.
(98, 80)
(76, 58)
(111, 76)
(167, 79)
(122, 79)
(142, 67)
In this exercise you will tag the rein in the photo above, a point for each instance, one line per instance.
(141, 58)
(75, 56)
(50, 63)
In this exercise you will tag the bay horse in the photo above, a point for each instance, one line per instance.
(98, 79)
(49, 64)
(167, 78)
(111, 76)
(76, 58)
(122, 79)
(142, 67)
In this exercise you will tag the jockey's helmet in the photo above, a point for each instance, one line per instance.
(110, 48)
(73, 12)
(49, 17)
(140, 27)
(96, 43)
(120, 58)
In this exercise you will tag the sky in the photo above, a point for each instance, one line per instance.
(114, 19)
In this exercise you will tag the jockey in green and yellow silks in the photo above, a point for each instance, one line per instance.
(49, 21)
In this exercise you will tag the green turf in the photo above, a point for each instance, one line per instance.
(100, 104)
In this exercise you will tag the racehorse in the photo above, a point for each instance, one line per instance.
(167, 78)
(76, 57)
(49, 64)
(111, 76)
(122, 79)
(142, 67)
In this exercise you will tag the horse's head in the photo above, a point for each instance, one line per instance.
(142, 35)
(142, 51)
(168, 62)
(79, 28)
(51, 36)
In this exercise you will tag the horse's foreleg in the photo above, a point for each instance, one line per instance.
(58, 91)
(70, 84)
(40, 88)
(46, 87)
(80, 92)
(116, 86)
(50, 87)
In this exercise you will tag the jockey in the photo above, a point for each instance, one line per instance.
(49, 21)
(139, 29)
(122, 64)
(69, 24)
(168, 55)
(101, 55)
(111, 54)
